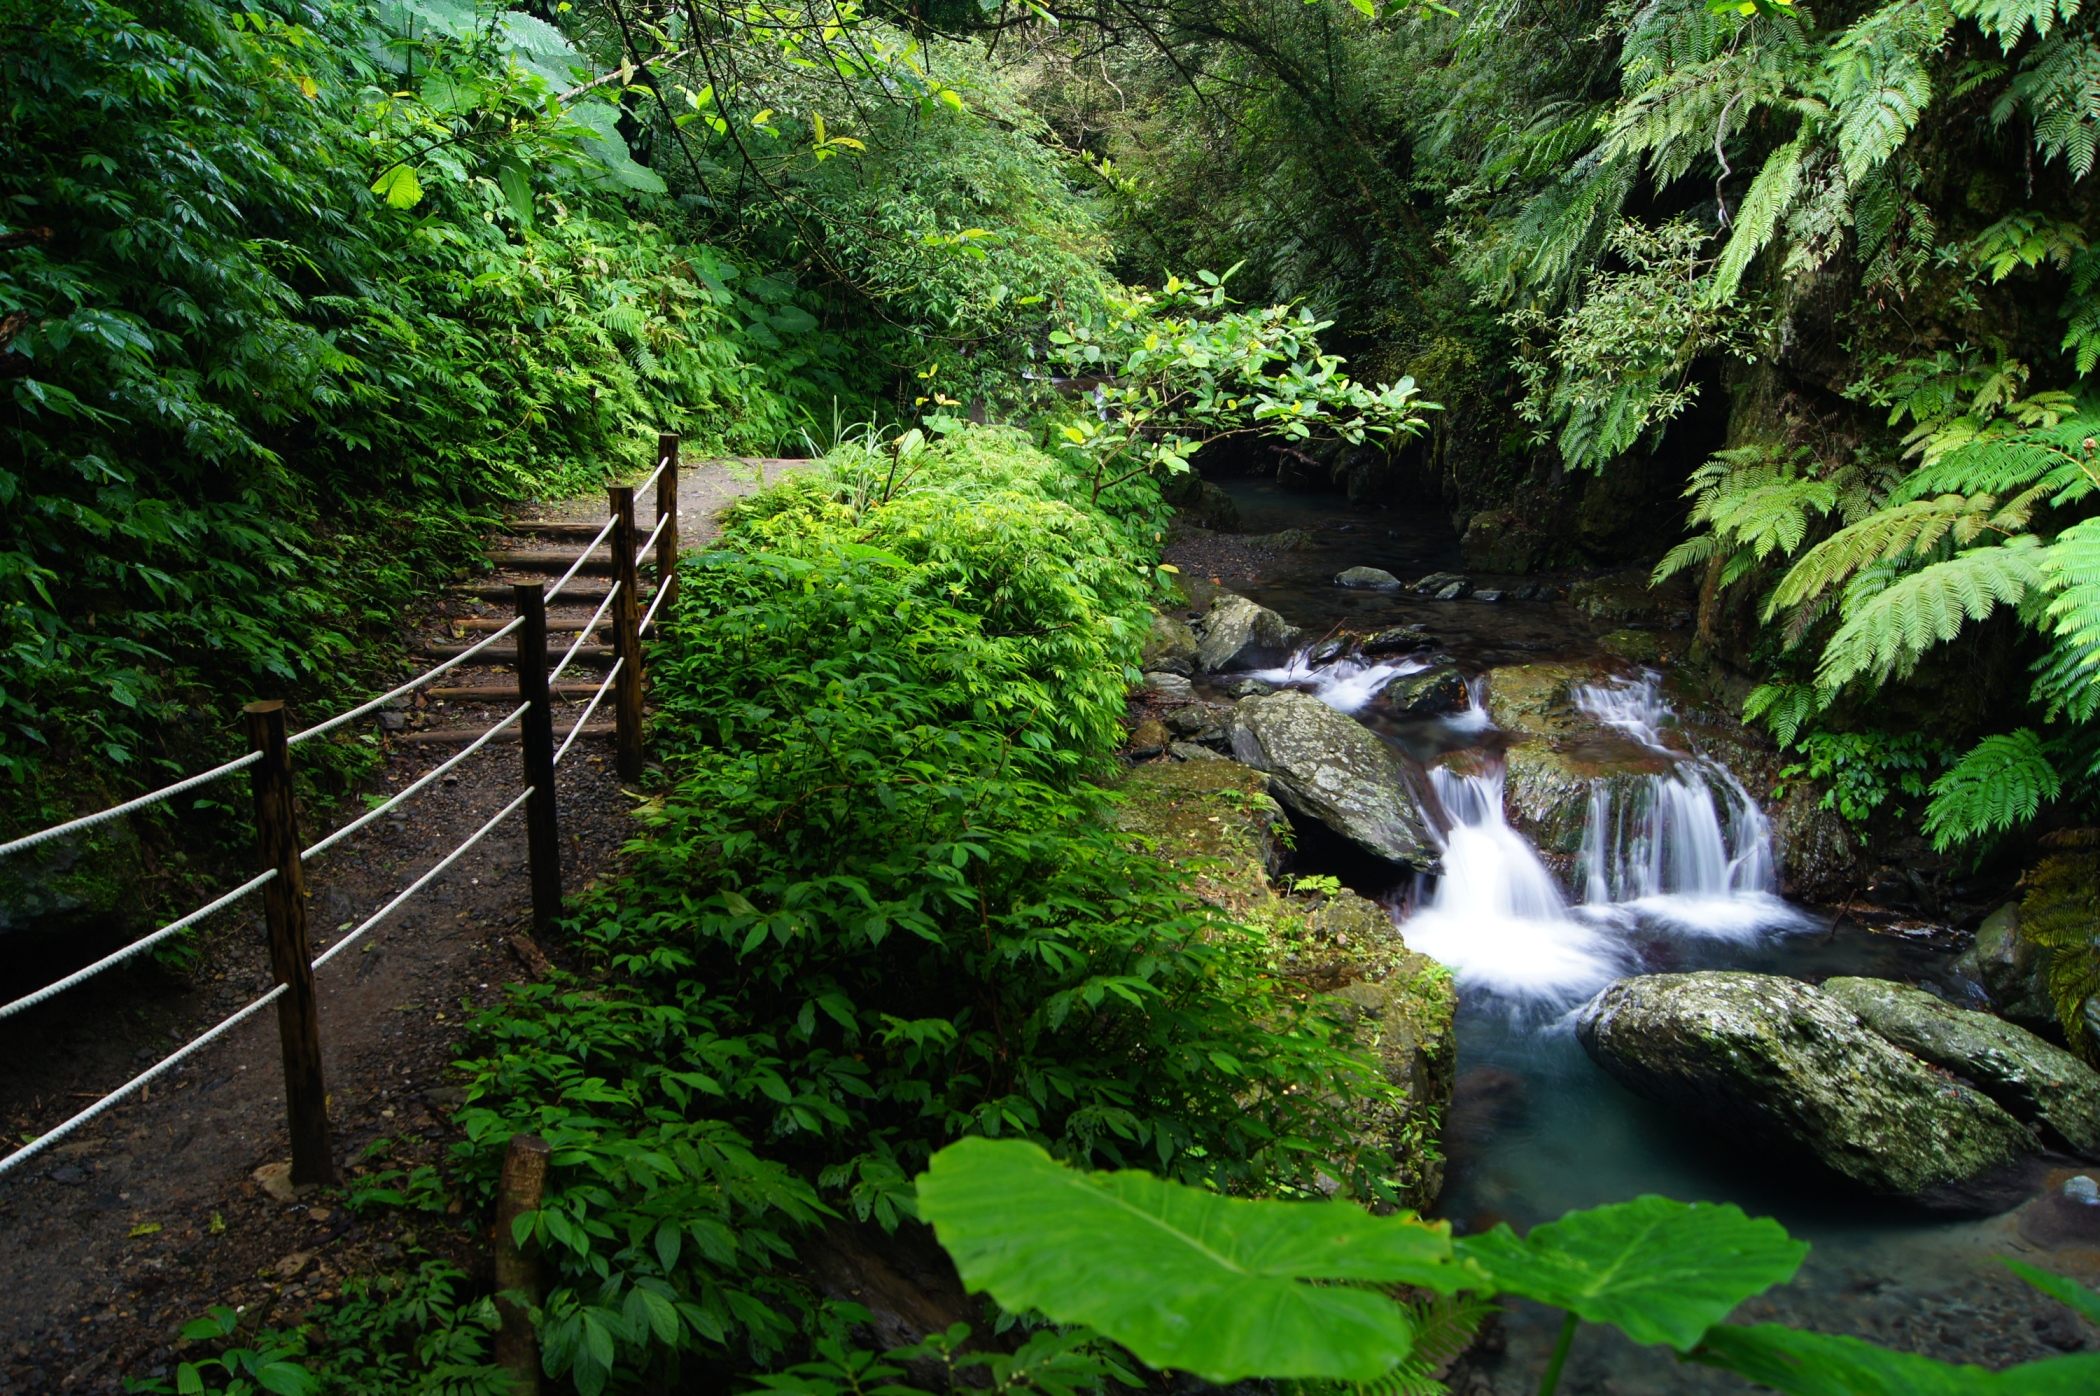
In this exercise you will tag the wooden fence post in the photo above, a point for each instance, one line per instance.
(627, 644)
(522, 1186)
(536, 737)
(291, 952)
(667, 514)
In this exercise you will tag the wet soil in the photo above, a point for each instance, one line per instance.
(145, 1218)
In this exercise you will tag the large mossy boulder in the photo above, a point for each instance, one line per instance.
(1773, 1062)
(2036, 1081)
(1424, 693)
(1217, 818)
(1327, 766)
(82, 893)
(1560, 756)
(1237, 634)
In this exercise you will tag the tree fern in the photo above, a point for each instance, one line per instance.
(1784, 707)
(2067, 678)
(1443, 1328)
(1878, 82)
(2060, 459)
(1885, 629)
(1777, 184)
(2059, 89)
(2001, 783)
(1900, 533)
(2008, 21)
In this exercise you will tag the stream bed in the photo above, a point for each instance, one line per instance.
(1678, 877)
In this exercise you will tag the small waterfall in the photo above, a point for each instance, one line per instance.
(1495, 915)
(1347, 684)
(1691, 834)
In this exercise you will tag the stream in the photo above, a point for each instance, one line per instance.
(1677, 875)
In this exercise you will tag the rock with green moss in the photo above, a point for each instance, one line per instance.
(2059, 913)
(1217, 818)
(1638, 646)
(2036, 1081)
(1424, 693)
(86, 889)
(2012, 970)
(1560, 757)
(1405, 1021)
(1771, 1061)
(1238, 634)
(1170, 646)
(1328, 766)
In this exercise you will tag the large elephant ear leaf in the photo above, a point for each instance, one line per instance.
(1184, 1278)
(1822, 1364)
(1658, 1270)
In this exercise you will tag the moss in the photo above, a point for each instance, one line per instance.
(1214, 817)
(93, 880)
(2060, 912)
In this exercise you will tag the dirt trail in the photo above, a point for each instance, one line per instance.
(116, 1237)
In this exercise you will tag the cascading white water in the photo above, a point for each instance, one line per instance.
(1347, 684)
(1496, 916)
(1689, 845)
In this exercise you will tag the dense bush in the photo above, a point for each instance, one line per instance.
(880, 907)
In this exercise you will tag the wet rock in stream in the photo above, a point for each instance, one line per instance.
(1170, 647)
(1238, 634)
(1328, 766)
(2035, 1081)
(1425, 693)
(1376, 577)
(1771, 1061)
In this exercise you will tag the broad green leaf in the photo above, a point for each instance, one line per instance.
(517, 189)
(1822, 1364)
(399, 186)
(1184, 1278)
(2059, 1287)
(1660, 1271)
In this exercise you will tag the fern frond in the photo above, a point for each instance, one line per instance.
(2061, 459)
(2002, 782)
(1784, 707)
(2008, 21)
(2059, 88)
(2067, 678)
(1771, 194)
(1896, 534)
(1890, 627)
(1692, 552)
(1879, 83)
(1444, 1327)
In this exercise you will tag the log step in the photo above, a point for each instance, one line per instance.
(498, 654)
(574, 594)
(547, 560)
(505, 693)
(565, 627)
(460, 736)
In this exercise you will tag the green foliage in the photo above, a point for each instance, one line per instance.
(253, 404)
(1998, 785)
(1861, 771)
(1181, 1277)
(1801, 1363)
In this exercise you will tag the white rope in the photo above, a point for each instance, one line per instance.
(144, 1078)
(411, 686)
(643, 488)
(647, 543)
(596, 698)
(146, 943)
(588, 549)
(90, 820)
(580, 639)
(414, 887)
(348, 829)
(663, 589)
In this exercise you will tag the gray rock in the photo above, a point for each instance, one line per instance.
(1772, 1061)
(1289, 540)
(392, 721)
(1252, 688)
(2012, 970)
(1200, 722)
(1487, 596)
(1454, 592)
(1327, 650)
(1329, 766)
(1395, 640)
(1170, 647)
(1189, 751)
(1367, 577)
(1438, 583)
(2033, 1079)
(1237, 634)
(1172, 688)
(1425, 693)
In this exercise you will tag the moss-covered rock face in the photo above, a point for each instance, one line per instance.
(1330, 767)
(1238, 634)
(1170, 647)
(2036, 1081)
(1559, 757)
(1216, 818)
(2059, 909)
(2012, 970)
(1772, 1061)
(89, 887)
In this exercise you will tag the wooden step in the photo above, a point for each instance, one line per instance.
(505, 693)
(556, 528)
(577, 593)
(554, 626)
(498, 654)
(547, 560)
(460, 736)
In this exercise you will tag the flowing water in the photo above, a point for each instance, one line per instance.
(1677, 871)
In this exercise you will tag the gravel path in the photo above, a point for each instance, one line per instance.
(117, 1237)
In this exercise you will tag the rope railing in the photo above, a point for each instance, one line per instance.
(306, 1099)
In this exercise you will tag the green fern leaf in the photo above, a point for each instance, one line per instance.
(1880, 84)
(1903, 532)
(1444, 1328)
(1771, 194)
(2001, 783)
(1886, 627)
(2008, 21)
(1784, 707)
